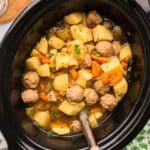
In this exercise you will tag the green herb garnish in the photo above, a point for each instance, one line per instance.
(51, 54)
(48, 36)
(54, 116)
(77, 49)
(98, 54)
(130, 62)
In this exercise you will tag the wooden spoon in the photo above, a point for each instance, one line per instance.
(87, 131)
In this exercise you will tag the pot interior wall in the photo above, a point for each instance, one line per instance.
(52, 13)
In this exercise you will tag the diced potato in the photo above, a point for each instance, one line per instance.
(61, 82)
(101, 33)
(56, 42)
(35, 52)
(86, 91)
(82, 33)
(60, 128)
(63, 60)
(84, 22)
(98, 115)
(86, 74)
(125, 52)
(42, 118)
(42, 46)
(64, 34)
(73, 18)
(44, 70)
(53, 52)
(120, 89)
(77, 48)
(71, 108)
(33, 63)
(93, 121)
(112, 65)
(81, 81)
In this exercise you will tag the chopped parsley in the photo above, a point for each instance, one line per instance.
(54, 116)
(48, 36)
(98, 54)
(77, 49)
(130, 62)
(121, 94)
(51, 54)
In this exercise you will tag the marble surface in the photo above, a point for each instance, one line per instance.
(3, 30)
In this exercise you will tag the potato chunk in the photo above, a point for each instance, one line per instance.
(81, 81)
(120, 89)
(112, 65)
(86, 74)
(73, 18)
(71, 108)
(82, 33)
(77, 48)
(101, 33)
(93, 121)
(63, 60)
(42, 46)
(42, 118)
(60, 128)
(32, 63)
(61, 82)
(56, 42)
(125, 52)
(43, 70)
(35, 52)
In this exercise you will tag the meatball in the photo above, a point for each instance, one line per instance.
(87, 61)
(116, 47)
(30, 96)
(91, 97)
(74, 94)
(104, 48)
(101, 88)
(30, 79)
(76, 126)
(52, 96)
(108, 102)
(93, 19)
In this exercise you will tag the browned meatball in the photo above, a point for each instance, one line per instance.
(116, 47)
(76, 126)
(108, 102)
(74, 94)
(101, 88)
(104, 48)
(30, 79)
(91, 97)
(87, 61)
(52, 96)
(30, 96)
(93, 19)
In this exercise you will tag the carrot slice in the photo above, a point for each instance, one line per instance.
(73, 73)
(100, 59)
(95, 109)
(43, 58)
(105, 78)
(43, 96)
(117, 78)
(124, 65)
(96, 70)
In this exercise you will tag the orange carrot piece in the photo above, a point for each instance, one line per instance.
(105, 78)
(42, 86)
(95, 109)
(73, 73)
(96, 70)
(43, 96)
(124, 65)
(117, 78)
(43, 58)
(100, 59)
(58, 73)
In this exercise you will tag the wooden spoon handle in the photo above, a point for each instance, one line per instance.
(88, 132)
